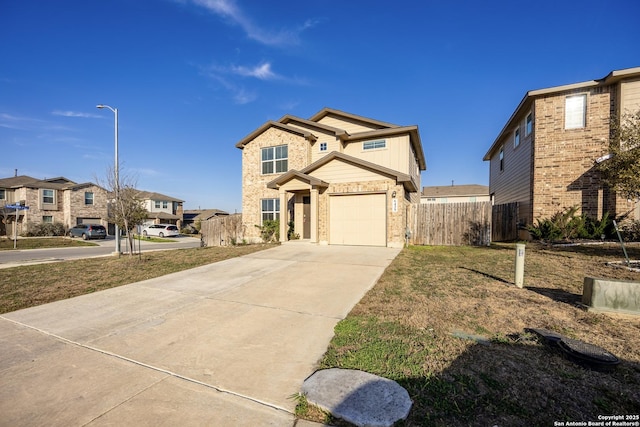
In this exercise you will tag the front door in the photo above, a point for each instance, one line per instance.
(306, 217)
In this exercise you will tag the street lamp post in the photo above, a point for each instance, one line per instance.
(116, 175)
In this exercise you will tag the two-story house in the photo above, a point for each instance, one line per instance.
(545, 156)
(51, 200)
(161, 209)
(338, 178)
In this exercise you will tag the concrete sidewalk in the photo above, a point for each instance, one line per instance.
(223, 344)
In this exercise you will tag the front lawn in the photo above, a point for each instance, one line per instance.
(448, 324)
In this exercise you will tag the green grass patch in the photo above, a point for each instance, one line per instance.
(43, 243)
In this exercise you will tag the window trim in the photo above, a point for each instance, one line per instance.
(377, 144)
(528, 124)
(276, 162)
(516, 138)
(501, 158)
(275, 211)
(91, 199)
(570, 122)
(53, 196)
(47, 219)
(323, 147)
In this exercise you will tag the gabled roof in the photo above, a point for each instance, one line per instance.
(340, 133)
(270, 124)
(530, 96)
(455, 190)
(312, 181)
(365, 120)
(149, 195)
(204, 214)
(21, 181)
(305, 174)
(382, 130)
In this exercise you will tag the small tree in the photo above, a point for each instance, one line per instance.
(621, 172)
(127, 210)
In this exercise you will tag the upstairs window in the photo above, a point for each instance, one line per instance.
(528, 125)
(88, 198)
(157, 204)
(275, 159)
(2, 194)
(165, 204)
(501, 158)
(516, 138)
(575, 111)
(47, 196)
(323, 146)
(374, 145)
(270, 209)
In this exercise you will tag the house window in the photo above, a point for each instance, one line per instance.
(473, 199)
(501, 157)
(275, 159)
(2, 194)
(270, 209)
(575, 111)
(157, 204)
(516, 138)
(374, 145)
(323, 146)
(47, 219)
(528, 125)
(165, 204)
(47, 196)
(88, 198)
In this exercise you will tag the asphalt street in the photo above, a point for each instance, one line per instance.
(11, 258)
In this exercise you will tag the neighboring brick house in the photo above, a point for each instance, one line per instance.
(337, 177)
(162, 209)
(51, 200)
(468, 193)
(545, 156)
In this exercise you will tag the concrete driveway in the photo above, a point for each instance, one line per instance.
(224, 344)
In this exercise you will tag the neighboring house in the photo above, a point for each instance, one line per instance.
(545, 156)
(162, 209)
(49, 201)
(190, 217)
(455, 194)
(338, 178)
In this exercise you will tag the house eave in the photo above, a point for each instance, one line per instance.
(253, 135)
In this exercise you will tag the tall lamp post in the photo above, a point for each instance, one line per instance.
(116, 175)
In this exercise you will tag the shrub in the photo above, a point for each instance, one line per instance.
(631, 231)
(567, 225)
(270, 230)
(291, 234)
(46, 229)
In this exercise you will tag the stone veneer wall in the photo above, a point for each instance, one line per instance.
(75, 207)
(254, 183)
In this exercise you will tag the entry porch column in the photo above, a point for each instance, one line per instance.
(284, 215)
(314, 215)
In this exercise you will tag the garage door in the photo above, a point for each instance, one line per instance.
(89, 221)
(358, 220)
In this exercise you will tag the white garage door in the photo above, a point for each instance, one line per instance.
(358, 220)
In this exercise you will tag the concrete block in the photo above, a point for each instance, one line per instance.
(611, 295)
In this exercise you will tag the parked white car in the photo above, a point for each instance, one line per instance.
(161, 230)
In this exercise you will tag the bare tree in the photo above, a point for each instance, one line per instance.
(126, 210)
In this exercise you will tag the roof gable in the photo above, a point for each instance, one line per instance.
(270, 124)
(348, 117)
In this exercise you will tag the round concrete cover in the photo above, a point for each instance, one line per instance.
(358, 397)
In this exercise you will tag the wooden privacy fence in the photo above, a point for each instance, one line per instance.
(222, 230)
(504, 222)
(452, 224)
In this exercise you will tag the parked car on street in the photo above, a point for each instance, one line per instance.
(161, 230)
(88, 231)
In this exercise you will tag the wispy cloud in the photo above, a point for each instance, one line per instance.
(75, 114)
(10, 121)
(262, 71)
(230, 11)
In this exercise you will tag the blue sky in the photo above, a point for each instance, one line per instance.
(191, 78)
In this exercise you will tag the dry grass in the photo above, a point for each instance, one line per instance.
(27, 286)
(42, 242)
(404, 328)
